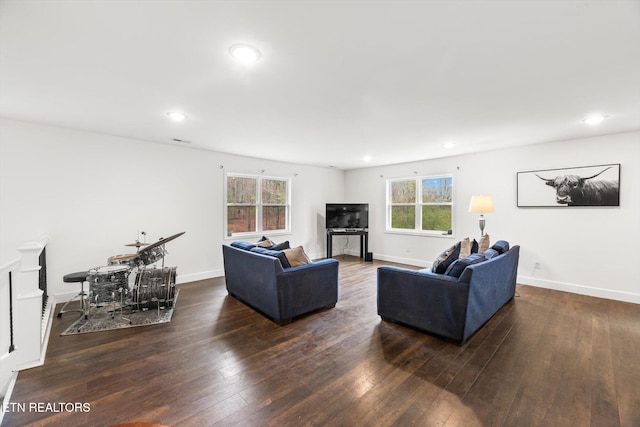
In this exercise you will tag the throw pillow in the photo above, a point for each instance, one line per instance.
(296, 256)
(484, 243)
(465, 248)
(277, 254)
(457, 267)
(264, 243)
(281, 246)
(474, 246)
(445, 259)
(501, 246)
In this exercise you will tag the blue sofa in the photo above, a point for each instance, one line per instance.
(447, 306)
(280, 293)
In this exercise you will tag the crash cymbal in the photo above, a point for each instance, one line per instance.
(161, 242)
(137, 244)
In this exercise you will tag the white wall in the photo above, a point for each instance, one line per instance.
(591, 251)
(91, 193)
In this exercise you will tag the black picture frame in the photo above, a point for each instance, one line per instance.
(582, 186)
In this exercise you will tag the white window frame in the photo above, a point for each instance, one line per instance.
(259, 205)
(418, 204)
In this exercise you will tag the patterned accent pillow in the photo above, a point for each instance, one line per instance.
(445, 259)
(296, 256)
(264, 243)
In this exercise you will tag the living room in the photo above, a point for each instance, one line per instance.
(89, 184)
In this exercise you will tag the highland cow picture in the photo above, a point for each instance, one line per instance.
(579, 186)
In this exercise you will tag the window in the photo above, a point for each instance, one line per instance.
(422, 204)
(256, 204)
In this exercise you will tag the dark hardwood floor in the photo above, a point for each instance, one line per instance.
(545, 359)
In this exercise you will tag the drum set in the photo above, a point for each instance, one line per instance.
(153, 288)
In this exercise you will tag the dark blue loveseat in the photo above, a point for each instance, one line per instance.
(444, 305)
(280, 293)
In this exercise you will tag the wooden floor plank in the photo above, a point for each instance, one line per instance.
(546, 358)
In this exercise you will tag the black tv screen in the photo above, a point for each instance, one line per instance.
(348, 215)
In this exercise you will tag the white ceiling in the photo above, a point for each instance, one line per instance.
(337, 80)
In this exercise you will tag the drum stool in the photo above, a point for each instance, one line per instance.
(80, 276)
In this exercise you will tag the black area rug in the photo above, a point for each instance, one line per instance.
(101, 319)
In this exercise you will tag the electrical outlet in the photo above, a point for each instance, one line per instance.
(537, 265)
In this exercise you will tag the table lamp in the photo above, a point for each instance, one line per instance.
(481, 204)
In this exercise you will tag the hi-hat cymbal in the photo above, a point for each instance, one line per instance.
(137, 244)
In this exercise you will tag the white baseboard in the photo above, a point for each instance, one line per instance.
(580, 289)
(194, 277)
(398, 260)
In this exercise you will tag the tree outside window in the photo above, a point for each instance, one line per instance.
(421, 204)
(256, 204)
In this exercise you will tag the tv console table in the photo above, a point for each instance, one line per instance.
(364, 239)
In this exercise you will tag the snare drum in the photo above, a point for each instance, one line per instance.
(127, 259)
(108, 284)
(155, 288)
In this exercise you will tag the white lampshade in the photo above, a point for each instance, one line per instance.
(481, 204)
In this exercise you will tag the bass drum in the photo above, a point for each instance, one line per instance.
(154, 288)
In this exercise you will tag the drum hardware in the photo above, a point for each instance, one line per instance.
(156, 251)
(154, 288)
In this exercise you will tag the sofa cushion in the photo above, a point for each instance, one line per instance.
(296, 256)
(445, 259)
(243, 245)
(457, 267)
(501, 246)
(281, 256)
(490, 253)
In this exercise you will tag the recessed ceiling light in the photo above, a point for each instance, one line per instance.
(595, 119)
(367, 158)
(449, 145)
(245, 53)
(176, 116)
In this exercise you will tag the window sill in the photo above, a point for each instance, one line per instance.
(256, 236)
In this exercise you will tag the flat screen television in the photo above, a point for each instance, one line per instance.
(350, 216)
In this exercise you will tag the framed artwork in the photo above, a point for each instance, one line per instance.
(580, 186)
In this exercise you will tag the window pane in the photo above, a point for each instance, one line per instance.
(436, 218)
(274, 218)
(437, 190)
(403, 217)
(241, 189)
(241, 219)
(403, 192)
(274, 192)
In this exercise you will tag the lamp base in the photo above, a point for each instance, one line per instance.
(482, 222)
